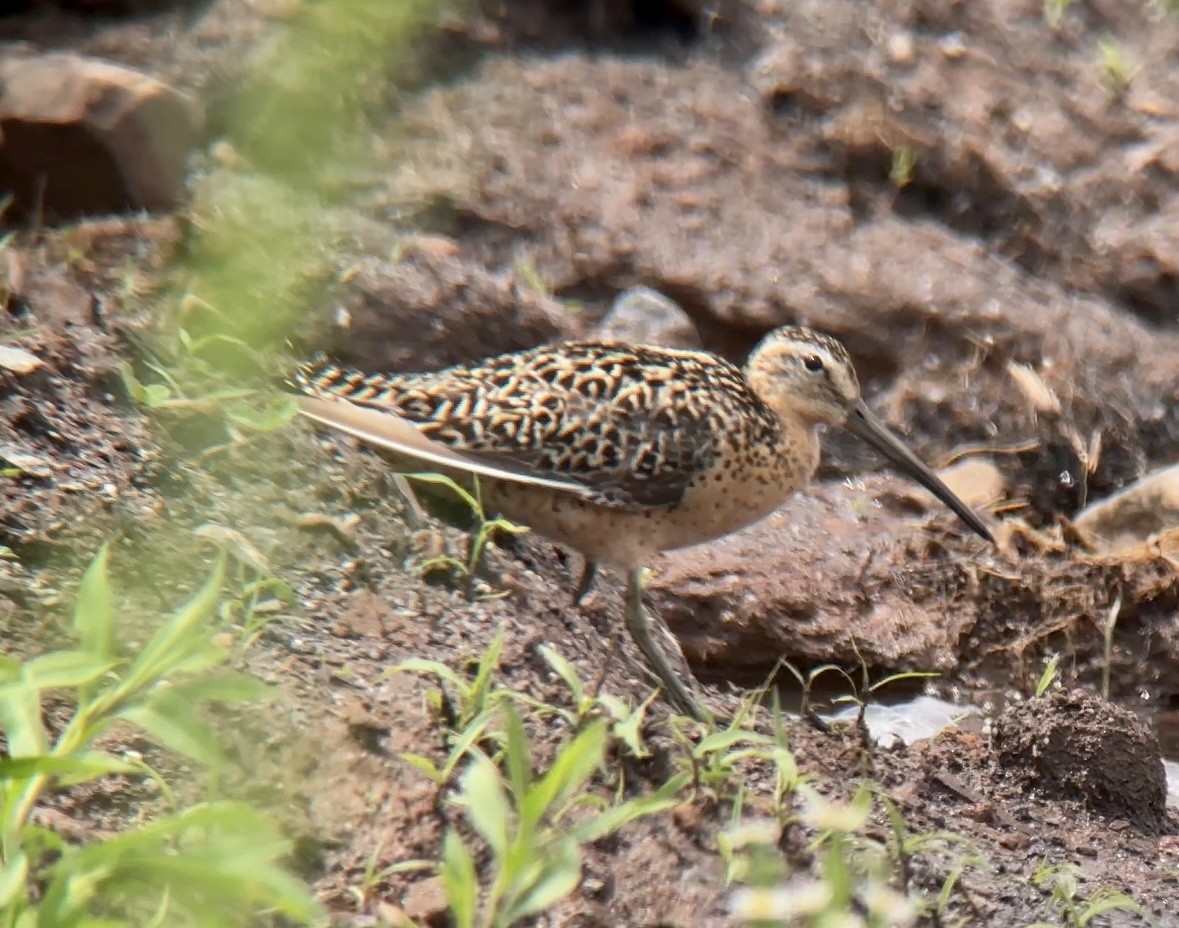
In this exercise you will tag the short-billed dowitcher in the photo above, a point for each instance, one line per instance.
(623, 451)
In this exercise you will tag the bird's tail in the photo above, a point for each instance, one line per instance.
(321, 377)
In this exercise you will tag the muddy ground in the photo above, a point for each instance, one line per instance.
(982, 205)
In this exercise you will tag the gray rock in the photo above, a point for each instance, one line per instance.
(80, 136)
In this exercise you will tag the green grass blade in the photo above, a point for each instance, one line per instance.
(180, 635)
(13, 880)
(573, 765)
(94, 610)
(666, 797)
(20, 720)
(728, 738)
(65, 669)
(565, 670)
(519, 755)
(172, 720)
(558, 877)
(465, 740)
(459, 881)
(88, 765)
(486, 803)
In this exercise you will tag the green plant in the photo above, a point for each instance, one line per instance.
(485, 528)
(1049, 676)
(470, 707)
(531, 277)
(526, 822)
(1117, 68)
(1054, 11)
(905, 845)
(715, 759)
(1078, 911)
(849, 878)
(372, 875)
(213, 863)
(627, 723)
(904, 161)
(787, 777)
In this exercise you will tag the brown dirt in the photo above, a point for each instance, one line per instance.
(1084, 748)
(740, 163)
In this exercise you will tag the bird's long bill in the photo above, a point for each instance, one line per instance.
(863, 423)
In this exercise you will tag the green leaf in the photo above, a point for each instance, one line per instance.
(519, 756)
(666, 797)
(20, 720)
(9, 668)
(465, 741)
(458, 878)
(14, 880)
(558, 877)
(65, 669)
(628, 725)
(482, 682)
(486, 803)
(726, 739)
(180, 636)
(901, 677)
(572, 766)
(430, 668)
(210, 857)
(565, 671)
(229, 686)
(94, 610)
(155, 394)
(131, 383)
(88, 766)
(423, 764)
(266, 419)
(443, 481)
(1108, 900)
(1048, 676)
(171, 719)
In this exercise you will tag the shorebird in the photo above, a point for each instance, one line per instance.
(622, 451)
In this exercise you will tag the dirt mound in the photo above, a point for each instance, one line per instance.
(1071, 745)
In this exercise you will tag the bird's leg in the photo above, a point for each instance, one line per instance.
(637, 624)
(586, 583)
(474, 564)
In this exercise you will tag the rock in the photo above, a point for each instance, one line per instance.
(18, 361)
(433, 309)
(975, 481)
(644, 316)
(81, 136)
(425, 903)
(1073, 746)
(813, 583)
(1144, 510)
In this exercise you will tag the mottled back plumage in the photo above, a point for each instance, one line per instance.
(632, 424)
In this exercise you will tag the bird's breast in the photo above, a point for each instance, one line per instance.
(736, 491)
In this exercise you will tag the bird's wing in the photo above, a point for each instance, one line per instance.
(388, 430)
(625, 427)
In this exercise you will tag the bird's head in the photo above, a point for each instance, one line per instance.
(805, 376)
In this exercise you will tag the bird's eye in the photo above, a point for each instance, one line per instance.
(813, 363)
